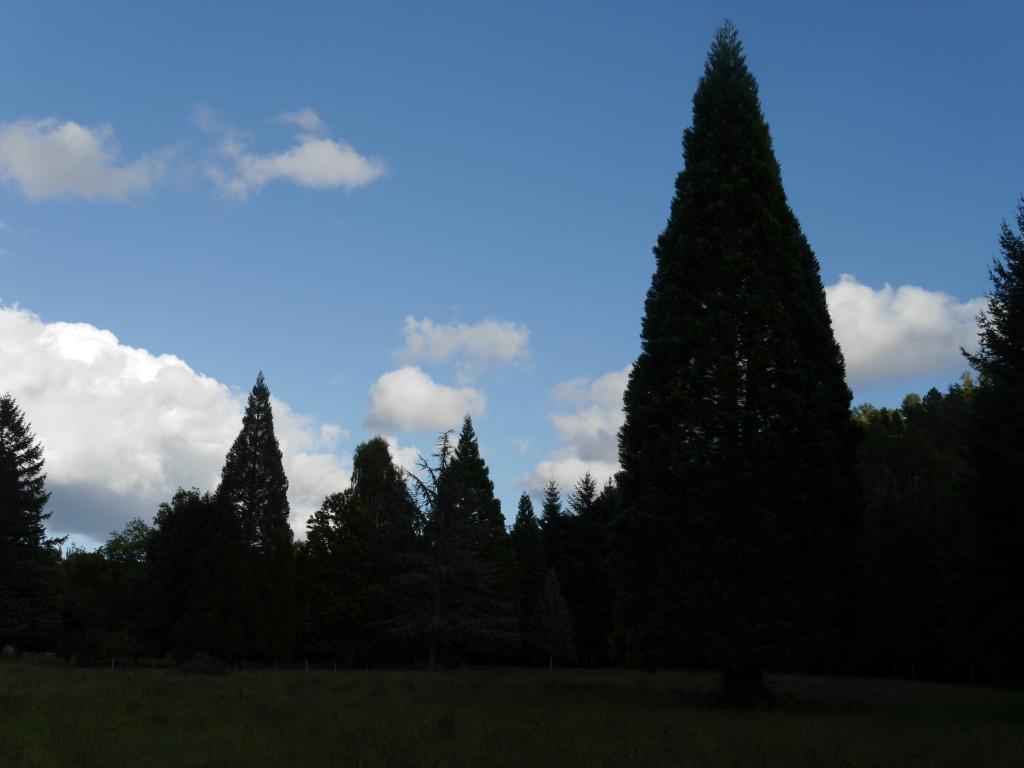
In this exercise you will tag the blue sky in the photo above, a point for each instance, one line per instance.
(457, 163)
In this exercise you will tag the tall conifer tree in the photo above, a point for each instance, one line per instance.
(736, 438)
(999, 453)
(254, 486)
(529, 550)
(29, 601)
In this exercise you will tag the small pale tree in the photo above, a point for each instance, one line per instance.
(551, 632)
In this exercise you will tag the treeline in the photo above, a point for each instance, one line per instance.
(397, 569)
(758, 523)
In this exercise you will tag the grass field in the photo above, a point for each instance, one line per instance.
(54, 716)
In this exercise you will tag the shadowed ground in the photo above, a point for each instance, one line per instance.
(55, 716)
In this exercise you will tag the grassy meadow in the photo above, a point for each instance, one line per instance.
(56, 716)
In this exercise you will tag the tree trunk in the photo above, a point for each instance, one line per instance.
(432, 655)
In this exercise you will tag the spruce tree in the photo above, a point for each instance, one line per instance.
(735, 446)
(582, 499)
(254, 487)
(551, 521)
(29, 600)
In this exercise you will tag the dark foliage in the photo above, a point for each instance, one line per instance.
(736, 448)
(29, 590)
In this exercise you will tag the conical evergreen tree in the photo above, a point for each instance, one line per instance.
(552, 519)
(29, 599)
(735, 446)
(528, 545)
(475, 503)
(999, 454)
(254, 487)
(581, 500)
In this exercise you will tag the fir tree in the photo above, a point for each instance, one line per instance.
(528, 545)
(254, 487)
(582, 499)
(551, 521)
(29, 600)
(735, 446)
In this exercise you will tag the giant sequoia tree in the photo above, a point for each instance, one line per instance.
(254, 488)
(735, 443)
(28, 559)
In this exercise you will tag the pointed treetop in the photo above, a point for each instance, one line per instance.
(581, 500)
(525, 512)
(552, 507)
(467, 446)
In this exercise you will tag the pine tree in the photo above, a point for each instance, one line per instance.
(254, 487)
(999, 452)
(735, 446)
(29, 600)
(528, 545)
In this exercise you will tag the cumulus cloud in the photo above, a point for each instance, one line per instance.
(314, 160)
(48, 159)
(588, 433)
(477, 345)
(122, 428)
(304, 118)
(408, 400)
(890, 334)
(407, 457)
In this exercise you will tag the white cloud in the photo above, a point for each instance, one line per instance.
(313, 161)
(478, 345)
(408, 400)
(588, 433)
(888, 334)
(122, 428)
(304, 118)
(48, 159)
(407, 457)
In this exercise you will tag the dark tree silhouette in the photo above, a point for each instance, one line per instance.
(528, 546)
(254, 488)
(29, 586)
(735, 447)
(999, 452)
